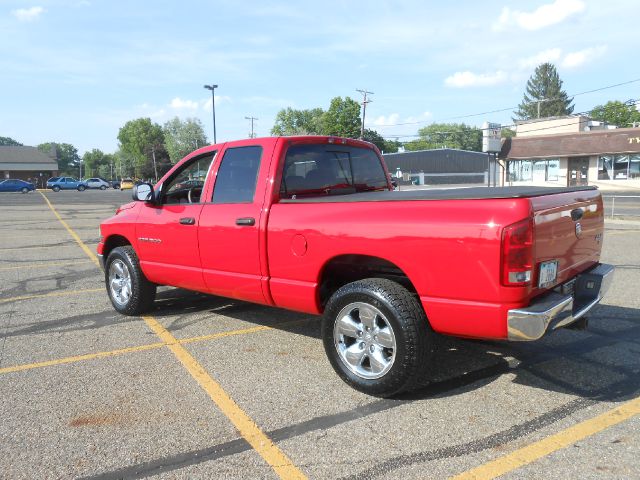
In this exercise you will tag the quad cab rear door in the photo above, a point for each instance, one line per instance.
(232, 229)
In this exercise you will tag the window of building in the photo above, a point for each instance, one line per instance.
(543, 170)
(618, 167)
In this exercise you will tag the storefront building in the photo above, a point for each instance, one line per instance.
(27, 163)
(590, 155)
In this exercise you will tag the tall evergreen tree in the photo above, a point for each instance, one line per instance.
(544, 96)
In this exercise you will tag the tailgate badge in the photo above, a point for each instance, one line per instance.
(578, 229)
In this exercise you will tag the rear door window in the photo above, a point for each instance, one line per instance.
(318, 170)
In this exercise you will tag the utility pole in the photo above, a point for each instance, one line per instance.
(364, 109)
(153, 154)
(213, 105)
(252, 135)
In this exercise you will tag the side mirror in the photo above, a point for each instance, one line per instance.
(143, 192)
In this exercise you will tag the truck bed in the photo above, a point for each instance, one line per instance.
(473, 193)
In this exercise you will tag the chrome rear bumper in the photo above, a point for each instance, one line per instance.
(554, 310)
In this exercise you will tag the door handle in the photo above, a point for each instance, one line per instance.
(187, 221)
(246, 221)
(576, 214)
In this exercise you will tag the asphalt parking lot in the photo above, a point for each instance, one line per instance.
(205, 387)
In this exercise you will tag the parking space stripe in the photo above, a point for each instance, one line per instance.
(75, 236)
(110, 353)
(261, 443)
(50, 294)
(275, 457)
(78, 358)
(553, 443)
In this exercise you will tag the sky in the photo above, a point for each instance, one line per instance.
(75, 71)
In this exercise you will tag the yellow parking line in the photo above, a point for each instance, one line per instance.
(546, 446)
(109, 353)
(52, 294)
(275, 457)
(261, 443)
(78, 358)
(43, 265)
(82, 245)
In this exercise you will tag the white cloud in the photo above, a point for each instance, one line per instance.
(180, 104)
(27, 14)
(382, 120)
(541, 17)
(469, 79)
(551, 55)
(577, 59)
(219, 100)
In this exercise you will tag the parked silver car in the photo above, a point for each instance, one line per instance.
(97, 183)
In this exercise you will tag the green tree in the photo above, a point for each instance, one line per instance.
(342, 119)
(616, 113)
(9, 142)
(447, 135)
(391, 146)
(508, 133)
(139, 139)
(544, 96)
(92, 161)
(375, 138)
(67, 156)
(290, 121)
(183, 137)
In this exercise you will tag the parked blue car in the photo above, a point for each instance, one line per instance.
(65, 183)
(15, 185)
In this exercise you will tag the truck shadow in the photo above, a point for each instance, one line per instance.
(602, 362)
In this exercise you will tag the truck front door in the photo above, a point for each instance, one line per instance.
(229, 230)
(167, 231)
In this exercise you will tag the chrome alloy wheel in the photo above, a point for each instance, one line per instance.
(364, 340)
(120, 282)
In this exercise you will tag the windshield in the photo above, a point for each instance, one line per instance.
(319, 170)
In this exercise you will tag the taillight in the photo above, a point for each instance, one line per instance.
(517, 253)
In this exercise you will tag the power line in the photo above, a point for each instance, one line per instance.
(512, 108)
(628, 102)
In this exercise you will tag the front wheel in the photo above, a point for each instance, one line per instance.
(129, 290)
(377, 337)
(103, 187)
(81, 188)
(24, 190)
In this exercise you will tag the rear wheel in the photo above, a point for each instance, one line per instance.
(129, 290)
(56, 188)
(103, 187)
(24, 190)
(377, 337)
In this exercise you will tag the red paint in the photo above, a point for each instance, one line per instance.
(451, 250)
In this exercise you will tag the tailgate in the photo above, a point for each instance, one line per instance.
(568, 230)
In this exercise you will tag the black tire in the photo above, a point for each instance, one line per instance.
(81, 188)
(56, 188)
(143, 292)
(413, 338)
(103, 187)
(24, 190)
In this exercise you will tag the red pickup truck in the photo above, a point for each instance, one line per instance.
(313, 224)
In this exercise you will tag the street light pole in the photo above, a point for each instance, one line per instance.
(213, 104)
